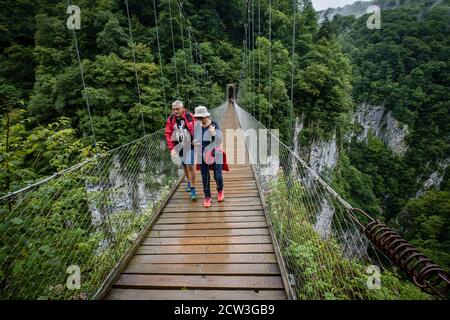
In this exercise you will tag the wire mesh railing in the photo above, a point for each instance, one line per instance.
(61, 237)
(325, 251)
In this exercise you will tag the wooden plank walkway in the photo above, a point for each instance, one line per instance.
(221, 252)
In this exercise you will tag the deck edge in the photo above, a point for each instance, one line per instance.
(280, 261)
(106, 286)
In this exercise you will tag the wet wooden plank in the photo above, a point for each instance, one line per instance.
(206, 258)
(187, 241)
(229, 199)
(217, 232)
(201, 281)
(148, 294)
(232, 179)
(199, 204)
(227, 189)
(234, 172)
(239, 176)
(192, 214)
(236, 195)
(214, 207)
(231, 182)
(239, 198)
(200, 268)
(231, 192)
(222, 219)
(228, 185)
(209, 226)
(206, 248)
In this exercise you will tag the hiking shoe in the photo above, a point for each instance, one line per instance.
(193, 194)
(188, 187)
(221, 197)
(207, 202)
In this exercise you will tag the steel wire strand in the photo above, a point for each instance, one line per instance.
(38, 236)
(325, 193)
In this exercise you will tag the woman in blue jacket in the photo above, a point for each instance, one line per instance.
(208, 134)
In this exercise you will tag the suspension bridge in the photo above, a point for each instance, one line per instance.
(222, 252)
(123, 220)
(119, 225)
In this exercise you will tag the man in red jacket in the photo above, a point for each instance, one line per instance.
(179, 132)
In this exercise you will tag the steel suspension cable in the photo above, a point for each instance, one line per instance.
(259, 59)
(196, 46)
(160, 57)
(245, 59)
(86, 95)
(86, 98)
(184, 52)
(173, 47)
(249, 21)
(193, 62)
(270, 63)
(253, 57)
(293, 70)
(135, 68)
(249, 57)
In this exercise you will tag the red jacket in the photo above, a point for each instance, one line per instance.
(210, 159)
(188, 119)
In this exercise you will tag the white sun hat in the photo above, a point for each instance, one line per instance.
(201, 112)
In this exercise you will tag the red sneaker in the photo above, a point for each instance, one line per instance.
(221, 197)
(207, 202)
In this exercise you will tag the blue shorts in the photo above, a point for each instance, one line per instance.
(188, 158)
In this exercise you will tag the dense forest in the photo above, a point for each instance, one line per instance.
(403, 67)
(44, 115)
(190, 50)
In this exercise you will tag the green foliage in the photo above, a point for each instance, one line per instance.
(322, 75)
(426, 222)
(320, 268)
(404, 67)
(29, 155)
(45, 123)
(65, 237)
(271, 93)
(46, 127)
(48, 77)
(355, 186)
(112, 37)
(323, 87)
(391, 182)
(66, 222)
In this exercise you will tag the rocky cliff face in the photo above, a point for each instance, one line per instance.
(359, 8)
(356, 9)
(435, 179)
(380, 122)
(141, 191)
(321, 155)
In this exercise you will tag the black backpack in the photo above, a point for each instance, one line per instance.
(188, 117)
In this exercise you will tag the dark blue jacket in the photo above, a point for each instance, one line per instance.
(203, 135)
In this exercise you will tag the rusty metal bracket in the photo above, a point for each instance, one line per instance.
(427, 275)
